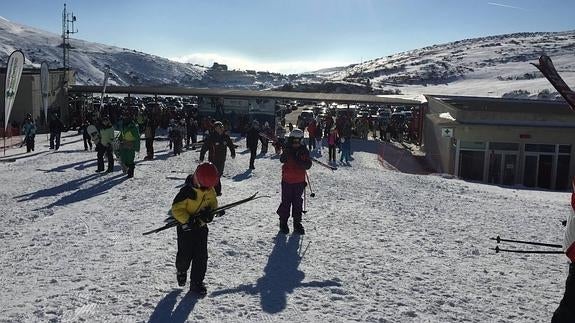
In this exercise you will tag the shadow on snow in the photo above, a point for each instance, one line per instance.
(92, 191)
(165, 311)
(245, 175)
(281, 276)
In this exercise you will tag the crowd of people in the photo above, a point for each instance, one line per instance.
(192, 207)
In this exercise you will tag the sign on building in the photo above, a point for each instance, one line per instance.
(447, 132)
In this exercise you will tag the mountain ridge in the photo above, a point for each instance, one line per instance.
(495, 65)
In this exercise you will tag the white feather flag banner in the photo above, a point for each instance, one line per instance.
(13, 74)
(106, 74)
(45, 87)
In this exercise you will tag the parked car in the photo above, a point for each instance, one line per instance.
(307, 115)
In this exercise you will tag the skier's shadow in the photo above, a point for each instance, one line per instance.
(54, 191)
(281, 276)
(165, 311)
(245, 175)
(83, 194)
(81, 165)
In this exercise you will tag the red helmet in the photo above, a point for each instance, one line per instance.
(207, 175)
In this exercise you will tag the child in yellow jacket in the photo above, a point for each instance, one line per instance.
(191, 208)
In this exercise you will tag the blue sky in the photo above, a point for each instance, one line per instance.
(289, 35)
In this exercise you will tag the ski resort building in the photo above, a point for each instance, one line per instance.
(501, 141)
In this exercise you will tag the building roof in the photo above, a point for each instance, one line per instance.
(468, 103)
(330, 97)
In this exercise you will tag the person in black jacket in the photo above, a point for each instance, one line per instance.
(252, 139)
(86, 135)
(217, 144)
(56, 126)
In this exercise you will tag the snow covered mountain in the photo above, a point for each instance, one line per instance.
(490, 66)
(496, 66)
(127, 67)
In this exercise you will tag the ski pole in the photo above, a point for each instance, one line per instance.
(312, 194)
(497, 250)
(304, 211)
(498, 239)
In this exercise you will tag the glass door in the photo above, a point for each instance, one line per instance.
(538, 170)
(502, 168)
(545, 171)
(530, 171)
(509, 169)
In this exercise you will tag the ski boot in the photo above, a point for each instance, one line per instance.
(181, 276)
(298, 228)
(284, 228)
(199, 288)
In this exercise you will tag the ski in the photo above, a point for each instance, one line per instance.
(217, 212)
(498, 239)
(321, 163)
(196, 144)
(548, 69)
(497, 250)
(268, 137)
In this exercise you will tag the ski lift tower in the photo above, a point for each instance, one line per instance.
(68, 20)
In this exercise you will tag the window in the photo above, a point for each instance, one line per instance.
(503, 146)
(562, 181)
(471, 165)
(565, 149)
(479, 145)
(540, 148)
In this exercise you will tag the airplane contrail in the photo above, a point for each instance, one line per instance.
(505, 6)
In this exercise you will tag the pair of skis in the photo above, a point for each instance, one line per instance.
(217, 212)
(499, 239)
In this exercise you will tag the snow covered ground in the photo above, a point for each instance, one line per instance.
(381, 245)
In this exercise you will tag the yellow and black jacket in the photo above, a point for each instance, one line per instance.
(190, 201)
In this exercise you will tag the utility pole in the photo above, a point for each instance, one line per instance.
(68, 20)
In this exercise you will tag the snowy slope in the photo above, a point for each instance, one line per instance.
(381, 245)
(490, 66)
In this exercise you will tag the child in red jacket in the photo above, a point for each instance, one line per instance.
(295, 159)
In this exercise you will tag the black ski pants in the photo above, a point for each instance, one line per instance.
(193, 249)
(566, 310)
(253, 153)
(29, 143)
(150, 147)
(102, 150)
(331, 152)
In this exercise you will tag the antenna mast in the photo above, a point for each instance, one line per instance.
(68, 20)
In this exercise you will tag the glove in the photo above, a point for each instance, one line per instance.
(205, 215)
(191, 224)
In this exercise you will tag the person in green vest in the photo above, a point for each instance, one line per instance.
(129, 143)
